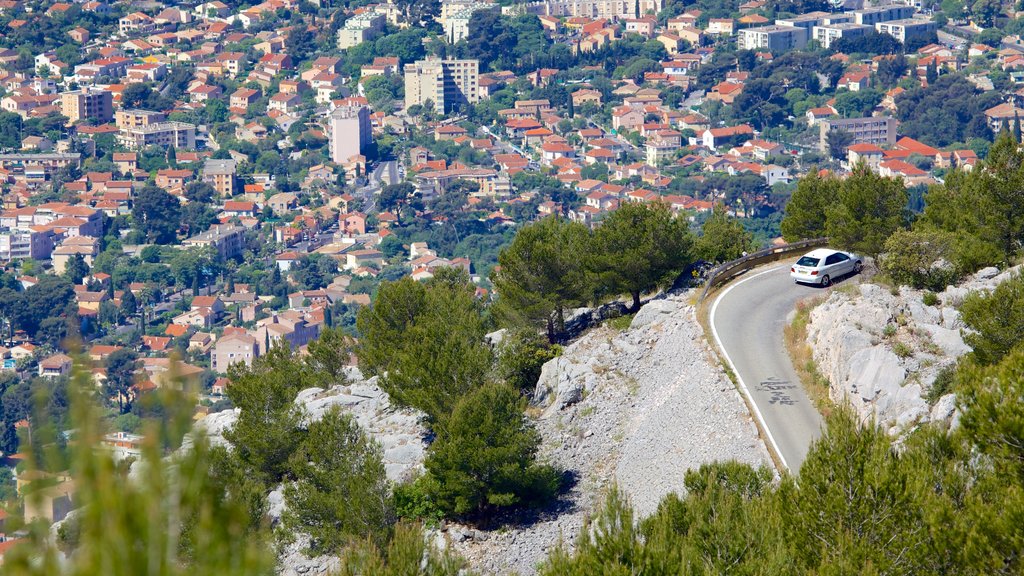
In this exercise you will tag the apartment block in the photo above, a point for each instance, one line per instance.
(87, 104)
(221, 175)
(449, 84)
(872, 16)
(880, 131)
(349, 132)
(907, 29)
(806, 21)
(456, 22)
(611, 9)
(25, 242)
(161, 134)
(134, 118)
(360, 28)
(227, 239)
(826, 34)
(773, 38)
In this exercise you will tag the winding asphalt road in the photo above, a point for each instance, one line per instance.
(747, 319)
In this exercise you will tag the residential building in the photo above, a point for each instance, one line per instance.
(162, 134)
(611, 9)
(874, 15)
(907, 29)
(360, 28)
(227, 239)
(87, 104)
(231, 349)
(456, 22)
(826, 34)
(880, 131)
(773, 38)
(221, 175)
(133, 118)
(18, 243)
(449, 84)
(809, 20)
(349, 132)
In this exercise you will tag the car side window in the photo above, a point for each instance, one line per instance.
(841, 257)
(831, 259)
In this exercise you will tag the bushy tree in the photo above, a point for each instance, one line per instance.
(921, 258)
(640, 247)
(996, 320)
(76, 269)
(157, 214)
(340, 493)
(521, 355)
(330, 353)
(269, 426)
(121, 366)
(983, 207)
(806, 209)
(722, 238)
(869, 208)
(484, 460)
(542, 273)
(425, 342)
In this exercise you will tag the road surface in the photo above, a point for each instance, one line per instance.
(747, 319)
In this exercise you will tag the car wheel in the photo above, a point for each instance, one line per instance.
(858, 267)
(826, 281)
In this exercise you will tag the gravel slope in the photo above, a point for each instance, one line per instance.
(638, 408)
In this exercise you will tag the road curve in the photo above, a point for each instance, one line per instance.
(747, 319)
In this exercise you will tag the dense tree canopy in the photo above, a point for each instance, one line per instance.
(542, 273)
(638, 248)
(425, 342)
(948, 110)
(157, 214)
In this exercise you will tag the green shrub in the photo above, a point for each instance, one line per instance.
(521, 356)
(484, 458)
(996, 320)
(413, 500)
(920, 258)
(902, 350)
(942, 385)
(930, 298)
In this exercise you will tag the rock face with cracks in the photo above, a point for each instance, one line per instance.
(882, 350)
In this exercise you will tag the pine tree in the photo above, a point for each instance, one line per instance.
(638, 248)
(543, 272)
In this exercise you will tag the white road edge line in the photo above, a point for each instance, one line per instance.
(739, 379)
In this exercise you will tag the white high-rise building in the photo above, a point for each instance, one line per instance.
(349, 132)
(446, 83)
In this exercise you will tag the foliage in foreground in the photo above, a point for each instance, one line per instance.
(945, 502)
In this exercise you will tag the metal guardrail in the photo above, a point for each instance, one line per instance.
(724, 272)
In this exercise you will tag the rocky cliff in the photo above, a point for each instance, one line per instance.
(882, 350)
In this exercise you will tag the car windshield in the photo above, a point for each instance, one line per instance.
(807, 261)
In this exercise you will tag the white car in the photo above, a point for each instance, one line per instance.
(823, 265)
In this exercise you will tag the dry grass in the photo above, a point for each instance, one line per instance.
(795, 338)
